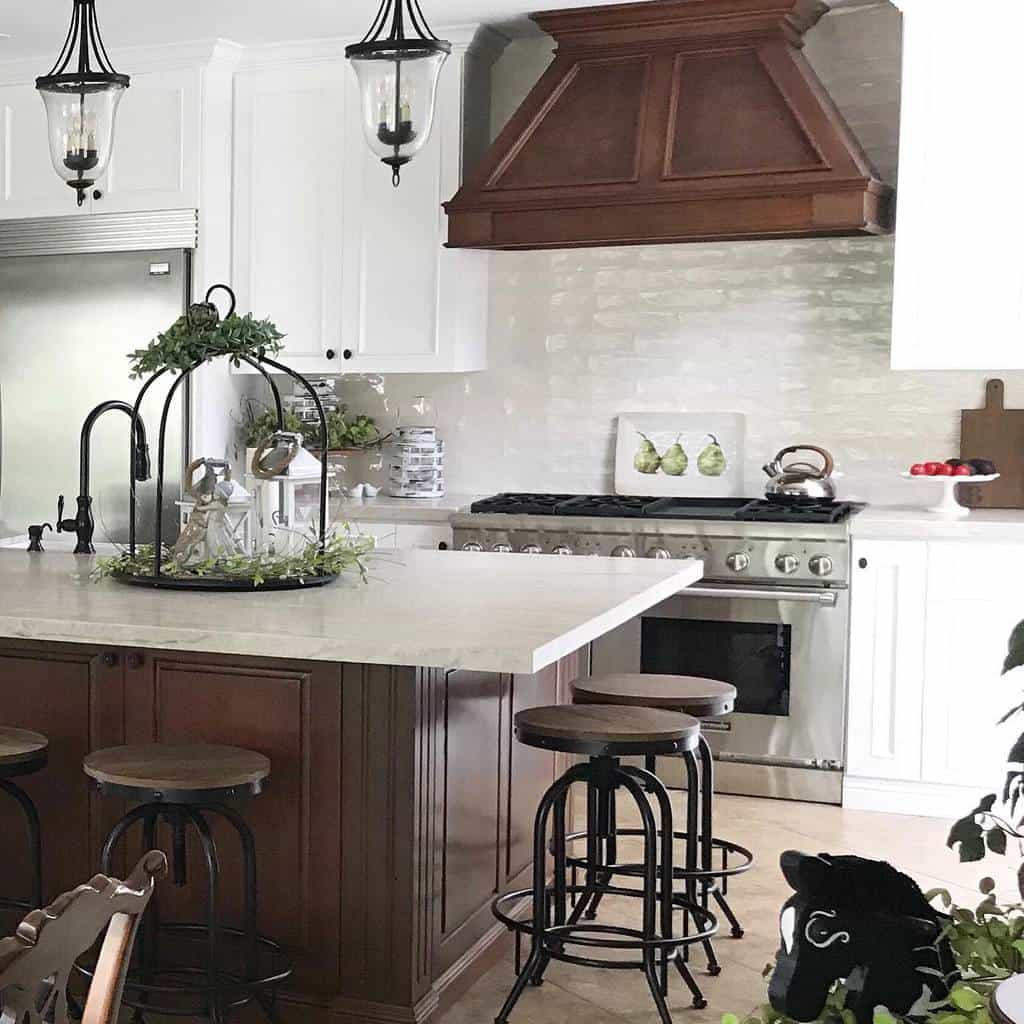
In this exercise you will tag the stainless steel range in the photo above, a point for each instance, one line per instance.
(771, 616)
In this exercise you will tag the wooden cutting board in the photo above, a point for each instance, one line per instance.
(995, 433)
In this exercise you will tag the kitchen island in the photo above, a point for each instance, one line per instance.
(398, 801)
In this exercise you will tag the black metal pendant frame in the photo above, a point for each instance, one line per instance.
(387, 40)
(158, 578)
(392, 18)
(82, 67)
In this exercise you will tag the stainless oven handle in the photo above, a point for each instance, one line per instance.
(826, 598)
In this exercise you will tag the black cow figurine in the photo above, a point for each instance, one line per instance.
(862, 922)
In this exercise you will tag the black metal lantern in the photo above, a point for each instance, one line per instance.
(398, 64)
(81, 94)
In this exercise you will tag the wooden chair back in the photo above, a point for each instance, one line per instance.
(36, 962)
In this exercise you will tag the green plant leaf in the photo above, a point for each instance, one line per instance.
(995, 839)
(965, 998)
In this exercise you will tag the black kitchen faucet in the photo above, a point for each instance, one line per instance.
(83, 524)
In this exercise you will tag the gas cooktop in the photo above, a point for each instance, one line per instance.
(619, 507)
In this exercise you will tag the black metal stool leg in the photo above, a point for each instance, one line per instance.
(250, 894)
(35, 845)
(146, 942)
(134, 815)
(650, 897)
(707, 834)
(209, 848)
(605, 840)
(540, 828)
(695, 822)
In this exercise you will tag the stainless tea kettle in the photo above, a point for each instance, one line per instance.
(800, 481)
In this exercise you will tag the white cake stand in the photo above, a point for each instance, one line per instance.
(949, 507)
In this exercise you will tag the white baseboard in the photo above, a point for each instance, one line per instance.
(923, 799)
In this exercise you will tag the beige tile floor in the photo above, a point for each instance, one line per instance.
(575, 995)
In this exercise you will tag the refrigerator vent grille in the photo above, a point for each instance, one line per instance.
(101, 232)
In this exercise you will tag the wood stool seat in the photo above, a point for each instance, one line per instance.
(607, 731)
(702, 698)
(21, 749)
(186, 771)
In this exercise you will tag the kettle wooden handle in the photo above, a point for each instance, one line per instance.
(829, 462)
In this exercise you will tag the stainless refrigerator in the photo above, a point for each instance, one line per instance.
(67, 324)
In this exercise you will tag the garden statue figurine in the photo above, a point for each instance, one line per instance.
(207, 536)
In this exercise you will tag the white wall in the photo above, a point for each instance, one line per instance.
(794, 334)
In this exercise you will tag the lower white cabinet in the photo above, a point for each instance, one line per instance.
(887, 638)
(930, 622)
(402, 536)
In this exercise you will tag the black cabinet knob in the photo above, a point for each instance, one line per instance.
(110, 660)
(443, 546)
(135, 661)
(331, 354)
(863, 563)
(347, 354)
(97, 194)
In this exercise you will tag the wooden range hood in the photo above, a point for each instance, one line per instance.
(673, 121)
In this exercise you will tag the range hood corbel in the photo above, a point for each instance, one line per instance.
(673, 121)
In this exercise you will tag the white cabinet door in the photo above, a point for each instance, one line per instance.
(289, 183)
(155, 162)
(410, 304)
(430, 536)
(887, 645)
(959, 287)
(973, 603)
(29, 186)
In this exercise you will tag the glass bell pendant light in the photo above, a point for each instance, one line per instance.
(81, 94)
(398, 63)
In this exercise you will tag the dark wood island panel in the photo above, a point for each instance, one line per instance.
(398, 805)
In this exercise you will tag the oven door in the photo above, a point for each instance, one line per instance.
(783, 648)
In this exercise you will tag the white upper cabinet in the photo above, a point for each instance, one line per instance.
(29, 187)
(959, 289)
(289, 184)
(155, 162)
(158, 139)
(351, 268)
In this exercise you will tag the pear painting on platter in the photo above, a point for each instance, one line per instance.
(684, 454)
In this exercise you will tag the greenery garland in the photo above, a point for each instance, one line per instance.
(340, 554)
(188, 342)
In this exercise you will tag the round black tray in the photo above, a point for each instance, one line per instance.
(246, 586)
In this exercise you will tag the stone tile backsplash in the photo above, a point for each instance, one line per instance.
(795, 335)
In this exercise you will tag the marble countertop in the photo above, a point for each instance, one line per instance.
(904, 522)
(442, 609)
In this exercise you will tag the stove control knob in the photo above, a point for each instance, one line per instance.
(787, 564)
(472, 546)
(658, 553)
(821, 565)
(738, 561)
(622, 551)
(502, 549)
(530, 549)
(561, 549)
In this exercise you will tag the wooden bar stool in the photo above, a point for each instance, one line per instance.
(182, 786)
(700, 699)
(22, 753)
(603, 735)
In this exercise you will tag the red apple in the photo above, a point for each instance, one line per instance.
(944, 469)
(934, 468)
(963, 471)
(918, 469)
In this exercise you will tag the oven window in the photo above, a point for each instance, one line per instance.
(753, 656)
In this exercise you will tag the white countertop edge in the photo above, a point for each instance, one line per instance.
(583, 635)
(386, 509)
(465, 656)
(880, 522)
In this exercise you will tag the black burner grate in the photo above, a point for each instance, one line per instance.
(611, 506)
